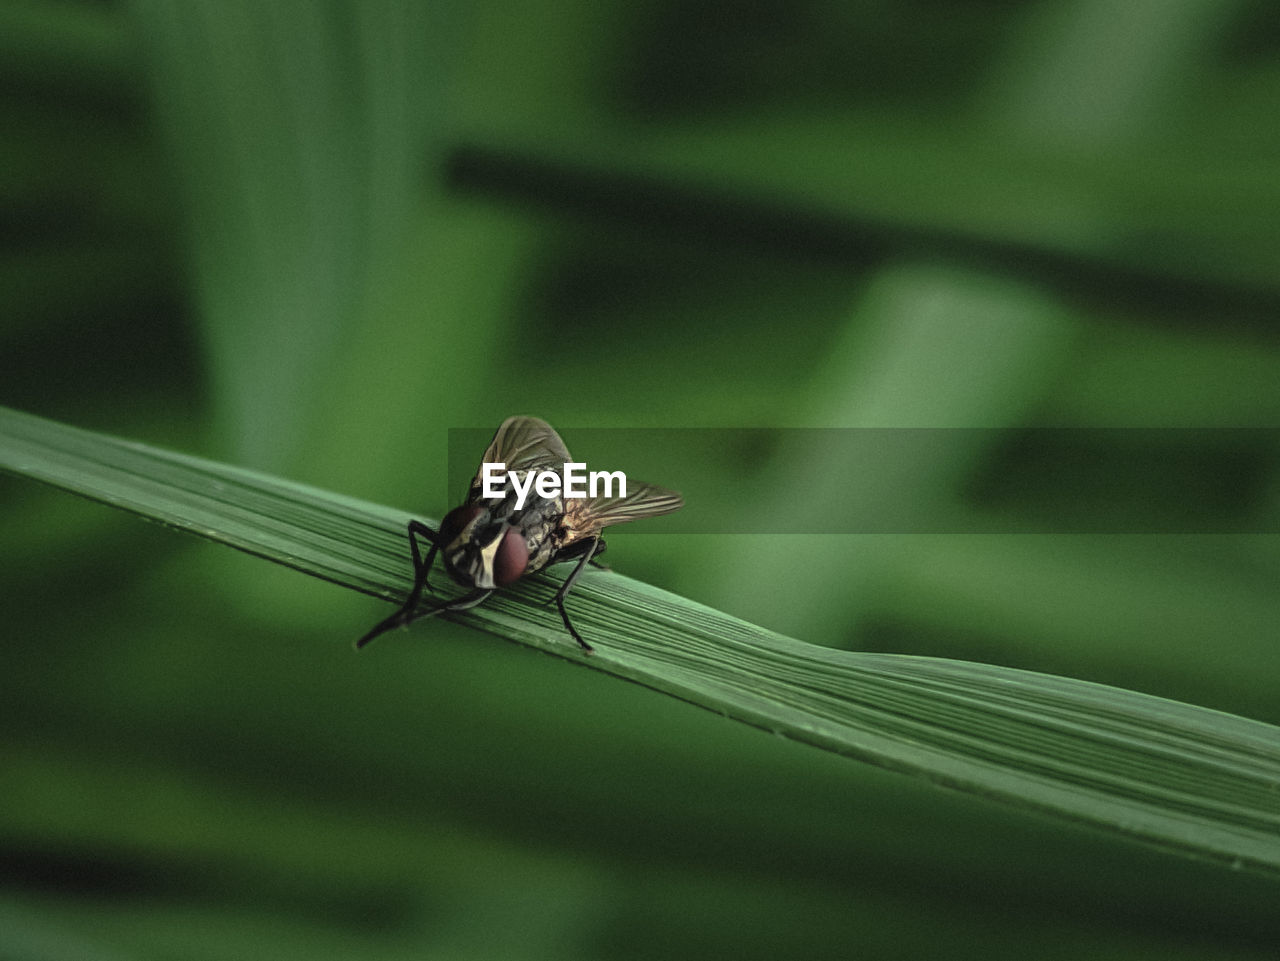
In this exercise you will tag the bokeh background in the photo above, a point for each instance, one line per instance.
(312, 237)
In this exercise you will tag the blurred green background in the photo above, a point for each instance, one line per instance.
(311, 237)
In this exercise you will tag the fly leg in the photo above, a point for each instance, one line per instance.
(463, 603)
(407, 614)
(420, 570)
(588, 549)
(420, 567)
(592, 548)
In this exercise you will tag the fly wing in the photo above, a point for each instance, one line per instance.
(642, 500)
(525, 443)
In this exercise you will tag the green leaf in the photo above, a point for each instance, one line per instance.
(1182, 777)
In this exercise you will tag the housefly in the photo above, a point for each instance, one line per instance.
(490, 543)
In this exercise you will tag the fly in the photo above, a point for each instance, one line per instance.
(489, 543)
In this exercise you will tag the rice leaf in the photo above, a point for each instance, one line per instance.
(1181, 777)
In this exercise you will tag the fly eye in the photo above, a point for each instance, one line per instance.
(456, 521)
(511, 559)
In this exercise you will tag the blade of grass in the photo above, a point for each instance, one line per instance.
(1181, 777)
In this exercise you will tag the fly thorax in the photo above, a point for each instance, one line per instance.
(469, 558)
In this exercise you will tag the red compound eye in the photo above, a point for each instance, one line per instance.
(456, 521)
(512, 558)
